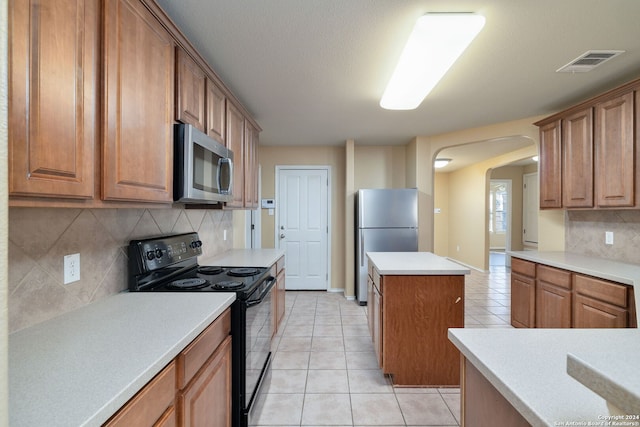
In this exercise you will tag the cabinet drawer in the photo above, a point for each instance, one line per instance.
(153, 404)
(601, 290)
(194, 356)
(554, 276)
(377, 280)
(280, 265)
(526, 268)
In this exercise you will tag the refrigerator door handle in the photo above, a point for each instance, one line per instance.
(361, 248)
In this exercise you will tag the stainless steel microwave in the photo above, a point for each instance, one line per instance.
(203, 168)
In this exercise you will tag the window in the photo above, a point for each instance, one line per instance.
(498, 207)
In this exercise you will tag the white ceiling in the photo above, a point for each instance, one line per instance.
(311, 72)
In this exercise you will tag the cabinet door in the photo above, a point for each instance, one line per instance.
(553, 306)
(281, 296)
(614, 148)
(577, 154)
(207, 399)
(53, 86)
(190, 91)
(216, 112)
(591, 313)
(377, 325)
(550, 166)
(251, 166)
(138, 105)
(523, 301)
(370, 315)
(235, 142)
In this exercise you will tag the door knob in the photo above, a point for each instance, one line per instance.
(282, 236)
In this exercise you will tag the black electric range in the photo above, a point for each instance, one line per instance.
(169, 264)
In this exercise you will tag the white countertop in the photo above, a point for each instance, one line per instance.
(81, 367)
(414, 264)
(245, 258)
(617, 382)
(621, 272)
(529, 368)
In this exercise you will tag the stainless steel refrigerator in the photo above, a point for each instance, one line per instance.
(386, 221)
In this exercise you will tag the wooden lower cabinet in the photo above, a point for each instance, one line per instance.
(411, 317)
(523, 300)
(151, 406)
(523, 293)
(481, 404)
(206, 401)
(278, 298)
(194, 390)
(553, 297)
(591, 313)
(557, 298)
(553, 306)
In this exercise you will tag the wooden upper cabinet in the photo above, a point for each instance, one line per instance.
(235, 142)
(551, 165)
(614, 148)
(190, 91)
(53, 97)
(216, 112)
(577, 155)
(251, 166)
(138, 105)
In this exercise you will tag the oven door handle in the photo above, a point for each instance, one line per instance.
(264, 294)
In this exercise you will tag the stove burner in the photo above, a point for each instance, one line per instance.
(242, 272)
(210, 270)
(228, 285)
(188, 284)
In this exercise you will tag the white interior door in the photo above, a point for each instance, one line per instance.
(302, 230)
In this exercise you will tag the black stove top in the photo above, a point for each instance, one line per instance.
(169, 264)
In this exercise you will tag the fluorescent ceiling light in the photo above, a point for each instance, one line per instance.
(440, 163)
(437, 40)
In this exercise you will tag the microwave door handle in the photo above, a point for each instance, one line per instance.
(221, 161)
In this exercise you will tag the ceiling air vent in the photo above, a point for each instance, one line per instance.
(588, 61)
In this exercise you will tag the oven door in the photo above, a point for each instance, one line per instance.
(203, 169)
(259, 332)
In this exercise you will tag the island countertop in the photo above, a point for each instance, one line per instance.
(415, 264)
(530, 369)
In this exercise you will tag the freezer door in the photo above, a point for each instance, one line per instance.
(388, 208)
(380, 240)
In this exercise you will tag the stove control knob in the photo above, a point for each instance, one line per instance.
(158, 253)
(151, 255)
(196, 244)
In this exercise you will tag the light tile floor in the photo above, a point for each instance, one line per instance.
(324, 369)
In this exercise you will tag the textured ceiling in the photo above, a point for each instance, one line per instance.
(311, 72)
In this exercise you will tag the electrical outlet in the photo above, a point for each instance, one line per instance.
(224, 235)
(71, 268)
(608, 237)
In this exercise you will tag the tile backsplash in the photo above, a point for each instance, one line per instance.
(39, 238)
(585, 234)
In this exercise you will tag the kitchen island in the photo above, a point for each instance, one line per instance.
(519, 377)
(414, 298)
